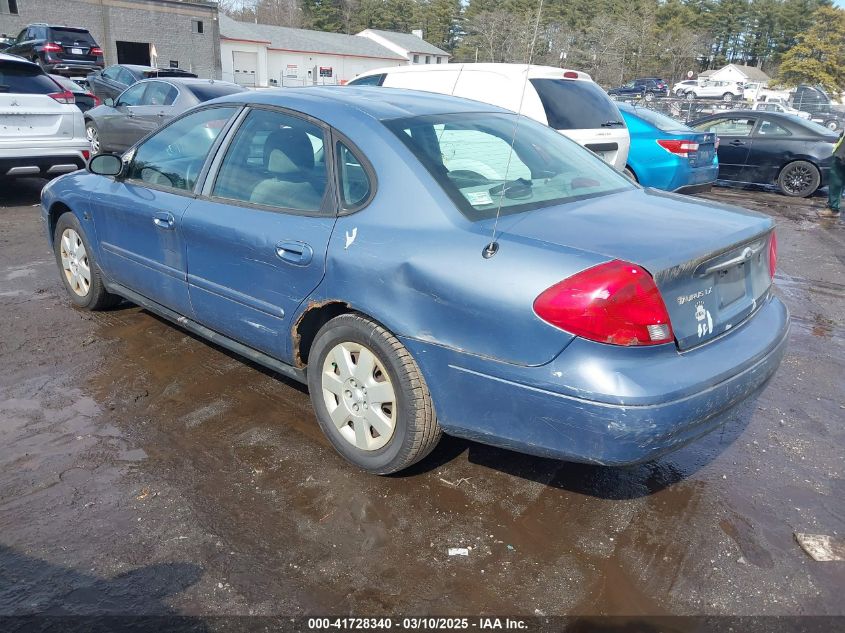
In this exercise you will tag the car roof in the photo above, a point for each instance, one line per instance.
(189, 81)
(511, 71)
(379, 103)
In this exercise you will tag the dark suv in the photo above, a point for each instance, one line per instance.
(646, 88)
(61, 50)
(818, 103)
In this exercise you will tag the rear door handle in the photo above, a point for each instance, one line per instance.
(293, 252)
(736, 143)
(164, 220)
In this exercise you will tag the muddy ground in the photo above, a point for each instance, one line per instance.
(145, 471)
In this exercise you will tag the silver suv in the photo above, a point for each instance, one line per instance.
(43, 133)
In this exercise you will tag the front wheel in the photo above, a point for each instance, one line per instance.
(799, 179)
(649, 96)
(728, 97)
(93, 136)
(369, 395)
(78, 266)
(690, 96)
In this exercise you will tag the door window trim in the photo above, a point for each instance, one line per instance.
(328, 206)
(338, 137)
(166, 83)
(755, 132)
(189, 193)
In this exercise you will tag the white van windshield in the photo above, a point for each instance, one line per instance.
(470, 157)
(576, 105)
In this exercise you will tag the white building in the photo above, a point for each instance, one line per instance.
(411, 46)
(738, 72)
(261, 55)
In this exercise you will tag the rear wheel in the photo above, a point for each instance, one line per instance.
(78, 267)
(690, 96)
(728, 97)
(832, 124)
(649, 96)
(799, 179)
(630, 174)
(370, 398)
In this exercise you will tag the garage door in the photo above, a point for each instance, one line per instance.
(246, 67)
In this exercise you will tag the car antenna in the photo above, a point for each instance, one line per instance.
(493, 247)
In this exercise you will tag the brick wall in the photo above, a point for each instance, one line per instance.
(168, 24)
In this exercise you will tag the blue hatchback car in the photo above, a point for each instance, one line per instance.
(666, 154)
(428, 264)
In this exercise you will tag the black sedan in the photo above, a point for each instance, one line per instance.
(111, 81)
(144, 106)
(771, 148)
(646, 88)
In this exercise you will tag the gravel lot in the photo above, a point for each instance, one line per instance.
(144, 471)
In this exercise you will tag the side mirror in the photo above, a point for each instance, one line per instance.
(106, 165)
(109, 102)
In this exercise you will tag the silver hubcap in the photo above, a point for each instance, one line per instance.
(93, 139)
(75, 263)
(359, 396)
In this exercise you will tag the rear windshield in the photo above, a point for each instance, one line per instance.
(576, 105)
(470, 156)
(206, 92)
(25, 79)
(658, 120)
(70, 36)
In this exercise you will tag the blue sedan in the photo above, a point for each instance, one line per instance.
(425, 269)
(666, 154)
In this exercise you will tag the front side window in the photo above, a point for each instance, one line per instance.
(470, 156)
(174, 156)
(275, 160)
(728, 127)
(132, 96)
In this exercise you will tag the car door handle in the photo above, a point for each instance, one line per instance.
(297, 253)
(737, 143)
(164, 220)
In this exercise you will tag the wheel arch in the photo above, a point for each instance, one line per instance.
(315, 315)
(57, 210)
(804, 159)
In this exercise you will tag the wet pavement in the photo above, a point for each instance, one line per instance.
(145, 471)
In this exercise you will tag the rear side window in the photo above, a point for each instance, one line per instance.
(576, 105)
(354, 182)
(206, 92)
(70, 36)
(25, 79)
(160, 94)
(372, 80)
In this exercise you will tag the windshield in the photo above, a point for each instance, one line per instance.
(660, 121)
(25, 79)
(470, 157)
(576, 105)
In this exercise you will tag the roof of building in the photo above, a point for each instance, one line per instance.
(751, 72)
(707, 73)
(407, 41)
(286, 38)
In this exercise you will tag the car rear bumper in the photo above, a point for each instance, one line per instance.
(40, 162)
(603, 404)
(72, 69)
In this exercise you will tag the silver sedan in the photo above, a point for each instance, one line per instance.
(118, 124)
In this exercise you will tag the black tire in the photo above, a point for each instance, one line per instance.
(649, 96)
(690, 96)
(799, 179)
(832, 124)
(728, 97)
(416, 431)
(630, 174)
(92, 134)
(96, 297)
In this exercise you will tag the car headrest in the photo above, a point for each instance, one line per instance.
(288, 151)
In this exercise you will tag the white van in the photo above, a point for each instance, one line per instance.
(567, 100)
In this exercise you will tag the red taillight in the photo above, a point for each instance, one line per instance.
(52, 48)
(773, 254)
(677, 147)
(86, 154)
(570, 74)
(66, 96)
(616, 303)
(96, 50)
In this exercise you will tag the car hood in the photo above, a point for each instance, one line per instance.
(682, 241)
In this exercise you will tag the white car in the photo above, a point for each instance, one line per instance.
(42, 132)
(775, 106)
(680, 88)
(567, 100)
(727, 91)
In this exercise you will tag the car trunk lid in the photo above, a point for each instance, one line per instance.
(33, 116)
(709, 261)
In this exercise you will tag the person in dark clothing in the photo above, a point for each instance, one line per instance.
(836, 180)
